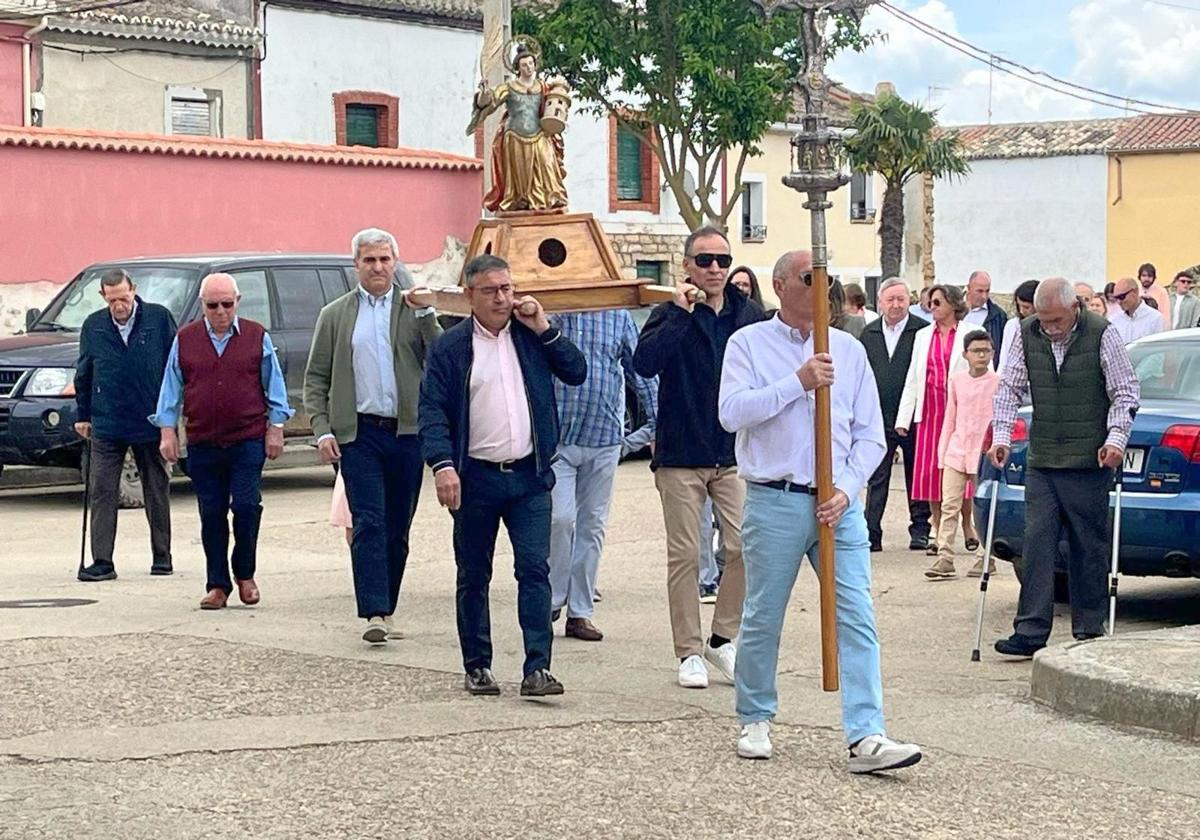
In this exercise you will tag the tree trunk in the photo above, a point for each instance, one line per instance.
(891, 231)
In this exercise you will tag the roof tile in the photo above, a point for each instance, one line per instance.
(60, 138)
(1159, 133)
(1037, 139)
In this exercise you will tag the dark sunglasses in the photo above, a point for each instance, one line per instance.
(936, 302)
(212, 305)
(1122, 296)
(706, 260)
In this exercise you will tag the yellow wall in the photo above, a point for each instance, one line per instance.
(1153, 213)
(853, 246)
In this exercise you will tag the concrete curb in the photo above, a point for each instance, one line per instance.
(1149, 680)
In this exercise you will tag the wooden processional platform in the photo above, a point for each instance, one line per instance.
(564, 260)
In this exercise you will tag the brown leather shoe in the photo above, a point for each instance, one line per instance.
(583, 629)
(248, 592)
(214, 600)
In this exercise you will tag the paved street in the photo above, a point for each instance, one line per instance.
(138, 716)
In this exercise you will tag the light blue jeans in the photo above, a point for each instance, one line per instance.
(581, 500)
(779, 528)
(711, 560)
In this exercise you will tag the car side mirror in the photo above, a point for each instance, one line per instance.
(31, 316)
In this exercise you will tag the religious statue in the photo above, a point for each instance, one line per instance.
(527, 153)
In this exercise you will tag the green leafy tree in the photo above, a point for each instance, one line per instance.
(900, 140)
(695, 80)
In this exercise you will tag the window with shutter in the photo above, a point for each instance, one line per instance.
(650, 269)
(362, 125)
(629, 165)
(190, 116)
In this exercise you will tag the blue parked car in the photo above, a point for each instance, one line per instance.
(1160, 500)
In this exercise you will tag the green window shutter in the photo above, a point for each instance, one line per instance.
(362, 125)
(650, 269)
(629, 165)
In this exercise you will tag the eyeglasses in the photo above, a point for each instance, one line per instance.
(492, 291)
(980, 350)
(706, 260)
(936, 302)
(213, 305)
(1118, 298)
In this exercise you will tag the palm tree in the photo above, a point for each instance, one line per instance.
(900, 140)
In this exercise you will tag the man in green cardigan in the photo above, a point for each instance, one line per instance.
(360, 391)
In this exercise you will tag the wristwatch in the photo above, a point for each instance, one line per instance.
(277, 425)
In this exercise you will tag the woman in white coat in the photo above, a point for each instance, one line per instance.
(936, 356)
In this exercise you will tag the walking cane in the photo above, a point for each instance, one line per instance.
(1116, 557)
(87, 481)
(987, 564)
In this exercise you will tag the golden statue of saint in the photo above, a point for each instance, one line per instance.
(527, 161)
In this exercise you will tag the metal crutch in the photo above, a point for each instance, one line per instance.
(987, 564)
(87, 494)
(1116, 557)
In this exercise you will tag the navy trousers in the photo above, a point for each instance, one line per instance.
(382, 473)
(228, 478)
(521, 500)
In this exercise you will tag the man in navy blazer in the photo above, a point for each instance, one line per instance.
(489, 429)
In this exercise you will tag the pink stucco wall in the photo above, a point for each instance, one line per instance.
(63, 208)
(11, 91)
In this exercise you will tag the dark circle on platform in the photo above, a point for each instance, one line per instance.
(552, 252)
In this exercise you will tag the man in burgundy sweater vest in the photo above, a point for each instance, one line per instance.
(224, 374)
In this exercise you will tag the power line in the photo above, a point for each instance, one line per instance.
(1174, 5)
(1006, 65)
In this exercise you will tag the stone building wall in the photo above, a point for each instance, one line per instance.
(666, 249)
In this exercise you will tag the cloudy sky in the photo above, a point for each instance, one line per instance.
(1145, 49)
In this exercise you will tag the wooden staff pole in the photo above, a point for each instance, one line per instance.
(823, 429)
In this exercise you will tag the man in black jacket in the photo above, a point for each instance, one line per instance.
(683, 344)
(489, 428)
(123, 352)
(889, 343)
(983, 312)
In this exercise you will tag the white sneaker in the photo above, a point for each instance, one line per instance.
(692, 673)
(724, 657)
(755, 741)
(392, 633)
(376, 632)
(879, 752)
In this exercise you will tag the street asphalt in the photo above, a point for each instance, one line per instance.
(135, 715)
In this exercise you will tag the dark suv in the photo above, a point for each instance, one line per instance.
(284, 292)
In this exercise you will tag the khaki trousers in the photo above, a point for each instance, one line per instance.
(954, 485)
(683, 490)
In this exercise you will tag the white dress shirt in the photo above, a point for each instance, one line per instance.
(126, 328)
(891, 334)
(372, 356)
(762, 401)
(977, 315)
(1144, 321)
(501, 429)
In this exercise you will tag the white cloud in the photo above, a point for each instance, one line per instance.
(1130, 47)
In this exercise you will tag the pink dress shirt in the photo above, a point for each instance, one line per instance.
(500, 424)
(968, 413)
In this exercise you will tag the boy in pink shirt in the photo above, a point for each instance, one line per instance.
(968, 414)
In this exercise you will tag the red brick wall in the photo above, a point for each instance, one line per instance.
(651, 197)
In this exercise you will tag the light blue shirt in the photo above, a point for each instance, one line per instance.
(920, 312)
(170, 396)
(126, 328)
(371, 354)
(977, 316)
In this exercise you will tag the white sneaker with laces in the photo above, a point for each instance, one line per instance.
(692, 673)
(879, 752)
(376, 632)
(755, 741)
(724, 657)
(392, 633)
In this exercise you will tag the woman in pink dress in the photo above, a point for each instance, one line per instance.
(937, 355)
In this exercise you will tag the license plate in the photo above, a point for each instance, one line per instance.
(1133, 461)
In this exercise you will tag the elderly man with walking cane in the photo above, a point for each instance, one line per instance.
(1074, 366)
(767, 394)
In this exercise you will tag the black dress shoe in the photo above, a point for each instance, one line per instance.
(162, 567)
(555, 616)
(480, 681)
(98, 571)
(540, 684)
(1018, 645)
(876, 547)
(1083, 637)
(916, 544)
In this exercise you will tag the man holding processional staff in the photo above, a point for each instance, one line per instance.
(769, 380)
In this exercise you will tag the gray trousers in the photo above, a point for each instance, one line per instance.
(1075, 502)
(104, 483)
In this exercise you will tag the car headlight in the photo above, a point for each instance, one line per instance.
(51, 382)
